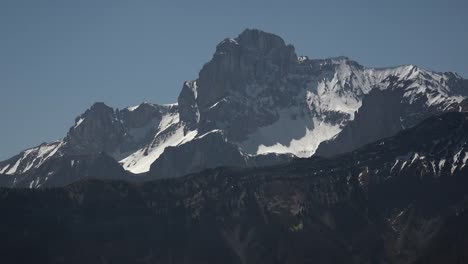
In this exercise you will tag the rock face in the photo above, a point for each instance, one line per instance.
(398, 200)
(269, 105)
(98, 129)
(253, 58)
(207, 151)
(210, 150)
(378, 117)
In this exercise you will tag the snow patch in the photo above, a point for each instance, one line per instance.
(215, 104)
(13, 169)
(79, 122)
(141, 160)
(133, 108)
(4, 169)
(210, 132)
(441, 164)
(298, 136)
(465, 158)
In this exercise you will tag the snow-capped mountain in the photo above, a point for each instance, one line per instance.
(256, 102)
(118, 133)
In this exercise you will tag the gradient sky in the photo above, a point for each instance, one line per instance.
(58, 57)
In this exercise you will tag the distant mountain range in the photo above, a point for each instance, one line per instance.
(255, 103)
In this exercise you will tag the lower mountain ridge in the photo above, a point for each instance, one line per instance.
(402, 199)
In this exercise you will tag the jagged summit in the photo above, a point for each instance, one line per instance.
(253, 55)
(260, 40)
(267, 103)
(99, 105)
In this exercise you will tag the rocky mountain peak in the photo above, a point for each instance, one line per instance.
(96, 130)
(100, 106)
(256, 80)
(141, 115)
(254, 56)
(258, 40)
(243, 69)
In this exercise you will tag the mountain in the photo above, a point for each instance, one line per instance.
(401, 199)
(254, 103)
(382, 114)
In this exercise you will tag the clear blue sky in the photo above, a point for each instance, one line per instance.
(58, 57)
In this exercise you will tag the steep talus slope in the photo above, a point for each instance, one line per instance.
(397, 200)
(269, 105)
